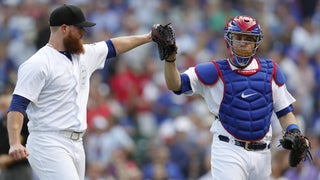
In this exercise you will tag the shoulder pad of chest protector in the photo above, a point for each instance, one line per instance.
(279, 76)
(207, 73)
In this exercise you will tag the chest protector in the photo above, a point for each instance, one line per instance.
(247, 105)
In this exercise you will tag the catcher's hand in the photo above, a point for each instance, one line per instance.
(298, 145)
(165, 38)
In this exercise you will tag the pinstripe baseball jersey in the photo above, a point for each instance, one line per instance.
(58, 87)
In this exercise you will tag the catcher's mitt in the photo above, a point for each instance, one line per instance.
(165, 38)
(298, 145)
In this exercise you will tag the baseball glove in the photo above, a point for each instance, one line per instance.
(298, 145)
(165, 38)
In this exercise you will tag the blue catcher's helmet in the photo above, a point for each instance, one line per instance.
(243, 30)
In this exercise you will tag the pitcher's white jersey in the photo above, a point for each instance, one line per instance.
(57, 83)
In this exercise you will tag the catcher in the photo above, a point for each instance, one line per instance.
(242, 91)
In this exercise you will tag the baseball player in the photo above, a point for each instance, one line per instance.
(242, 92)
(52, 88)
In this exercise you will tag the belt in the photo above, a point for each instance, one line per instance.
(73, 135)
(249, 146)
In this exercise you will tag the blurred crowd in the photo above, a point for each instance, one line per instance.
(137, 129)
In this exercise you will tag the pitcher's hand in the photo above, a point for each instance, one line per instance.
(18, 152)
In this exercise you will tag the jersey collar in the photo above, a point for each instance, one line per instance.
(67, 54)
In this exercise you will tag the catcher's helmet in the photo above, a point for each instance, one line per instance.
(246, 30)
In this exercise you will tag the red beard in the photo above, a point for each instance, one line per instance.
(73, 44)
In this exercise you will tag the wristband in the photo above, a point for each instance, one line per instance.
(292, 126)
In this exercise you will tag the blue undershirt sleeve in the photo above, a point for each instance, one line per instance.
(185, 84)
(284, 111)
(112, 51)
(19, 103)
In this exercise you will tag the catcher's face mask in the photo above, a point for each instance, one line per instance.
(243, 36)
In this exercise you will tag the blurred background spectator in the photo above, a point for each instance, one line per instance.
(136, 127)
